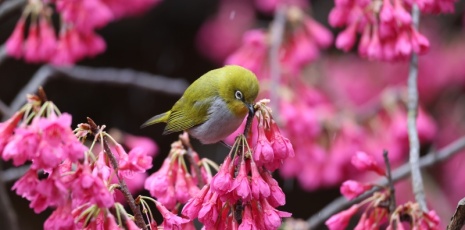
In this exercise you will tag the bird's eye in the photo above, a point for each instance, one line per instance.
(238, 95)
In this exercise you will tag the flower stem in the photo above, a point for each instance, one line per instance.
(139, 219)
(417, 181)
(392, 193)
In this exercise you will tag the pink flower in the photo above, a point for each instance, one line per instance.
(182, 190)
(258, 186)
(146, 143)
(277, 197)
(90, 188)
(193, 206)
(364, 162)
(263, 152)
(32, 44)
(352, 189)
(161, 184)
(341, 220)
(253, 53)
(23, 145)
(60, 219)
(248, 222)
(136, 161)
(171, 220)
(241, 185)
(14, 44)
(48, 41)
(208, 214)
(6, 129)
(85, 15)
(26, 186)
(269, 6)
(223, 181)
(271, 216)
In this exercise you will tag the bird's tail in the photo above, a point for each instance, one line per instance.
(157, 119)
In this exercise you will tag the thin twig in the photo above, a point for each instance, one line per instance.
(417, 181)
(400, 173)
(3, 55)
(7, 211)
(277, 34)
(9, 7)
(392, 191)
(190, 157)
(139, 219)
(128, 77)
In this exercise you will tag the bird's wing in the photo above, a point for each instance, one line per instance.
(194, 112)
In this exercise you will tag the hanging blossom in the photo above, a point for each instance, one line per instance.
(243, 194)
(375, 209)
(174, 183)
(64, 174)
(385, 26)
(76, 34)
(302, 42)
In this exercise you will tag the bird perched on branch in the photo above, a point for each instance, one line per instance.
(213, 106)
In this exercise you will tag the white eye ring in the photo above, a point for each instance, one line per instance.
(238, 95)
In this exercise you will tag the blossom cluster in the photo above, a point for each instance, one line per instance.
(386, 27)
(243, 194)
(376, 209)
(76, 34)
(173, 183)
(64, 173)
(301, 45)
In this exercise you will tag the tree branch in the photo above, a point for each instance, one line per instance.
(400, 173)
(129, 77)
(139, 219)
(417, 181)
(392, 191)
(5, 110)
(277, 32)
(7, 211)
(9, 7)
(458, 220)
(14, 173)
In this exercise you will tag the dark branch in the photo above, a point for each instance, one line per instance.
(128, 77)
(7, 211)
(458, 220)
(392, 193)
(7, 8)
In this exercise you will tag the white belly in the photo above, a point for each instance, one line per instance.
(220, 124)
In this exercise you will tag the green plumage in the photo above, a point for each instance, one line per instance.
(192, 108)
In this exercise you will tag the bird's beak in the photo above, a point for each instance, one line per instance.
(251, 109)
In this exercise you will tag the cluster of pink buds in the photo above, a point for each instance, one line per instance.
(243, 194)
(377, 209)
(67, 175)
(385, 26)
(301, 45)
(174, 183)
(76, 35)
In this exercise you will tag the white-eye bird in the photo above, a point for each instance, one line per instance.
(213, 106)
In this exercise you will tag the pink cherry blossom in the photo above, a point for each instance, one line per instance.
(352, 189)
(193, 206)
(363, 161)
(223, 181)
(14, 44)
(136, 161)
(90, 188)
(61, 218)
(241, 185)
(150, 147)
(170, 220)
(258, 185)
(7, 128)
(341, 219)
